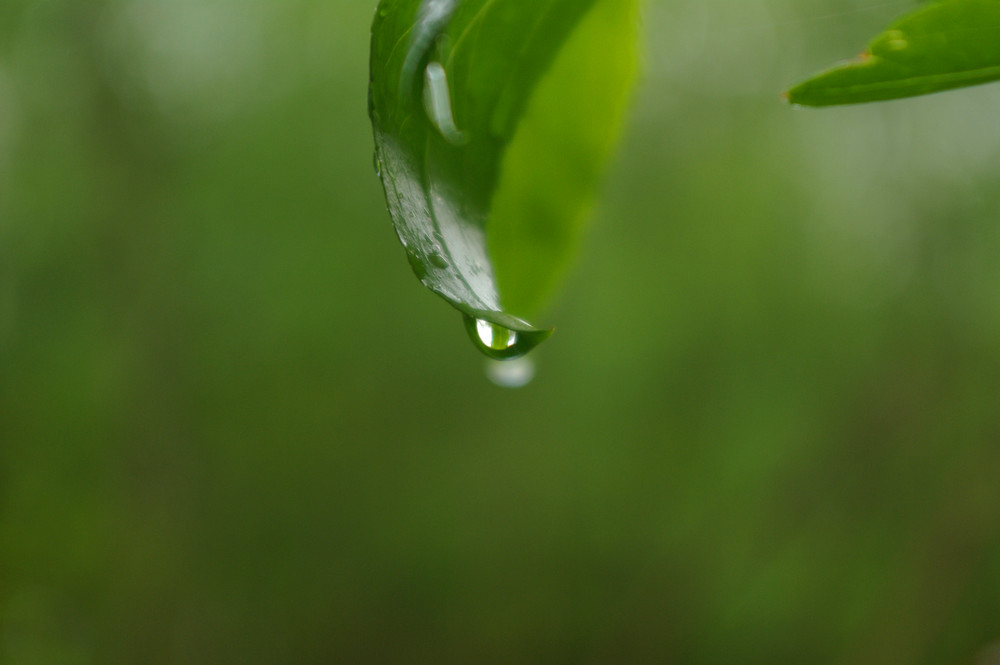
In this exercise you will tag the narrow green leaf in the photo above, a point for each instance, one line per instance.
(944, 45)
(492, 119)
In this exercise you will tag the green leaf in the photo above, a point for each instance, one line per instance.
(492, 121)
(944, 45)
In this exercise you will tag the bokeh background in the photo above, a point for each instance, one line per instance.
(235, 429)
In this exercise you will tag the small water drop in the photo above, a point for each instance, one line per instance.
(419, 269)
(438, 261)
(378, 166)
(515, 373)
(383, 12)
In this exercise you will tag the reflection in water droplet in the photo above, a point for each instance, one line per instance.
(494, 336)
(437, 103)
(515, 373)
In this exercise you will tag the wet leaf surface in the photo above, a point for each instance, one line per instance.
(492, 122)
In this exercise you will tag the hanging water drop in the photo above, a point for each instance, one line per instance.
(378, 166)
(502, 343)
(515, 373)
(494, 336)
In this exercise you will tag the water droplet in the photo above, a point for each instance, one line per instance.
(502, 343)
(494, 336)
(419, 269)
(438, 261)
(437, 103)
(383, 12)
(515, 373)
(378, 166)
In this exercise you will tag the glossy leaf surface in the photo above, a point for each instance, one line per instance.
(492, 119)
(944, 45)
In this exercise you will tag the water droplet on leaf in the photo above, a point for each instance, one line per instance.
(496, 337)
(419, 269)
(502, 343)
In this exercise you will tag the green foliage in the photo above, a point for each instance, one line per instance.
(944, 45)
(230, 434)
(492, 121)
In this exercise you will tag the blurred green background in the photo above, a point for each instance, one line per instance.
(235, 429)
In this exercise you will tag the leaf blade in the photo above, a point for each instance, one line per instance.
(441, 142)
(533, 252)
(945, 45)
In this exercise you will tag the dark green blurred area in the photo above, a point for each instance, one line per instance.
(234, 429)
